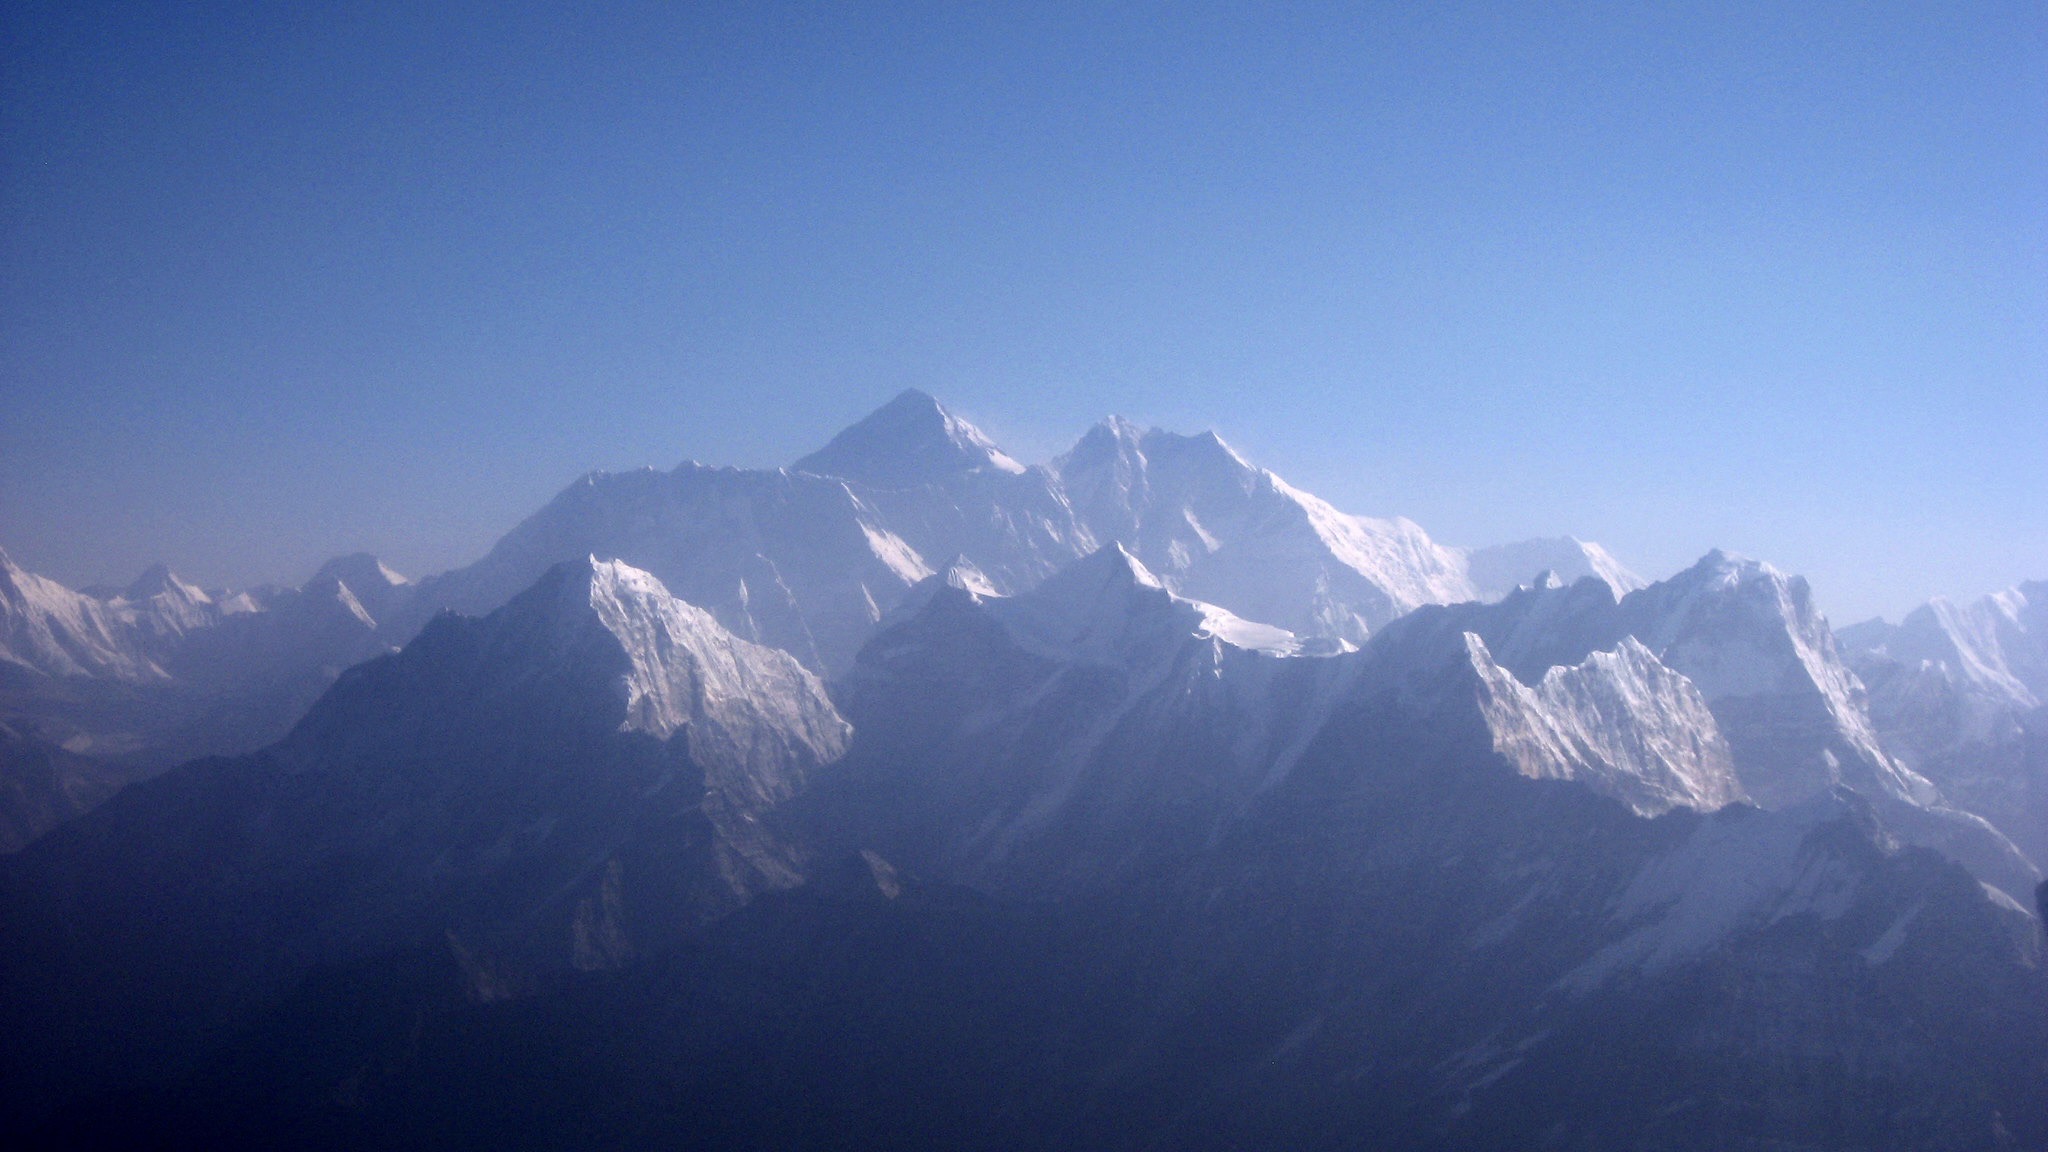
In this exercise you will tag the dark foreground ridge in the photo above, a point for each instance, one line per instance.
(836, 1016)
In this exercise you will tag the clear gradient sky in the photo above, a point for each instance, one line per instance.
(279, 281)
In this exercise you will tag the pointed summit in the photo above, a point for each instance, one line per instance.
(331, 597)
(961, 580)
(1108, 607)
(154, 579)
(1114, 442)
(1109, 567)
(377, 588)
(53, 630)
(158, 579)
(747, 707)
(1497, 571)
(910, 441)
(360, 571)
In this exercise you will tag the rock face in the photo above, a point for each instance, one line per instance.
(578, 777)
(1960, 693)
(1749, 639)
(1620, 721)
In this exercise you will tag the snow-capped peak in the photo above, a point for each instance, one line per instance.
(375, 588)
(1109, 566)
(910, 441)
(1396, 556)
(1109, 607)
(1740, 629)
(682, 668)
(1216, 528)
(1499, 570)
(51, 629)
(158, 580)
(361, 571)
(1996, 645)
(1735, 620)
(960, 576)
(1204, 446)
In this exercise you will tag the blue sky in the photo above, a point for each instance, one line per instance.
(283, 281)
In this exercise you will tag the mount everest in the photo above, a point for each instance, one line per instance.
(810, 558)
(1174, 805)
(799, 559)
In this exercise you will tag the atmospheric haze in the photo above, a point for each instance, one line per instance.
(285, 285)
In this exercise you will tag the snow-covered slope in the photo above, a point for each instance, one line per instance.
(1488, 862)
(907, 443)
(163, 628)
(133, 635)
(162, 609)
(371, 583)
(1616, 719)
(1751, 641)
(1746, 871)
(756, 721)
(1751, 638)
(50, 629)
(799, 562)
(1995, 647)
(1097, 739)
(1960, 693)
(1039, 741)
(578, 778)
(1109, 608)
(811, 559)
(1501, 569)
(1059, 736)
(800, 559)
(1217, 529)
(946, 490)
(1721, 684)
(609, 650)
(142, 677)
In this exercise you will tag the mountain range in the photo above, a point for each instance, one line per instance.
(808, 559)
(914, 796)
